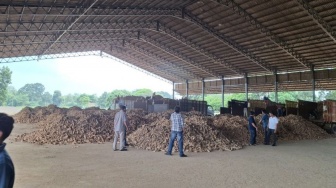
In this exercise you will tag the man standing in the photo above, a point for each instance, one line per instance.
(176, 131)
(120, 126)
(272, 128)
(264, 121)
(253, 129)
(7, 173)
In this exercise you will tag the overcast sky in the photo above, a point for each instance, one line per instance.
(89, 74)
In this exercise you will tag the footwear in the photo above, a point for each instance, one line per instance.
(168, 153)
(274, 145)
(183, 155)
(115, 150)
(126, 144)
(124, 149)
(254, 144)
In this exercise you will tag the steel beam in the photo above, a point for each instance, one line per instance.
(221, 61)
(274, 38)
(149, 65)
(69, 27)
(226, 40)
(178, 54)
(311, 12)
(156, 57)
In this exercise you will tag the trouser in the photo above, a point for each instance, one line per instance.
(173, 135)
(253, 136)
(125, 141)
(269, 133)
(265, 134)
(122, 141)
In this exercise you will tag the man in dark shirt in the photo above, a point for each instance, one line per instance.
(264, 121)
(7, 173)
(252, 126)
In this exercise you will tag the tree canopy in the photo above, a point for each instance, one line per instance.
(5, 80)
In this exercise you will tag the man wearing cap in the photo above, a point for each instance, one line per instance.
(120, 126)
(264, 121)
(253, 129)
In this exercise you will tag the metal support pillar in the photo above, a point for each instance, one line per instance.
(246, 86)
(173, 90)
(203, 89)
(313, 82)
(187, 89)
(276, 86)
(223, 84)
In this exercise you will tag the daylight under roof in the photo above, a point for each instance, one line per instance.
(182, 40)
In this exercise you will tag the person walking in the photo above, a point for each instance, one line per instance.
(7, 172)
(120, 126)
(176, 131)
(253, 129)
(272, 129)
(264, 121)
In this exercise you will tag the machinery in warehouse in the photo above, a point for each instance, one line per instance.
(157, 103)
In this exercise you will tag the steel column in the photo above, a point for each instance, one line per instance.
(313, 81)
(223, 83)
(276, 86)
(246, 86)
(203, 89)
(187, 89)
(173, 90)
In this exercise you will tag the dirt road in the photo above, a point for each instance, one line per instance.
(291, 164)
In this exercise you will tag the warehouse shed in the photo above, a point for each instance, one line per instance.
(203, 46)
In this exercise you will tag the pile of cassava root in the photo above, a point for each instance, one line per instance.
(152, 131)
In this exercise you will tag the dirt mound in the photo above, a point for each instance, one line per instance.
(290, 127)
(198, 135)
(152, 131)
(72, 126)
(294, 127)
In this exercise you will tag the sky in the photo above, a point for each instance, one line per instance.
(86, 74)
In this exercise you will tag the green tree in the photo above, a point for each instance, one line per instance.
(57, 98)
(164, 94)
(331, 95)
(5, 80)
(34, 92)
(16, 99)
(70, 100)
(84, 100)
(142, 92)
(46, 99)
(103, 100)
(93, 98)
(215, 100)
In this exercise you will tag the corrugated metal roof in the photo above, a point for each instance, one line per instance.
(179, 40)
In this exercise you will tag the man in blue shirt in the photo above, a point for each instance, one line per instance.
(7, 173)
(253, 129)
(264, 121)
(176, 131)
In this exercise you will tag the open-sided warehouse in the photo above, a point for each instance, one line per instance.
(185, 41)
(199, 46)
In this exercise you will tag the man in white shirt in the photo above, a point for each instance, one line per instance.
(120, 126)
(272, 128)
